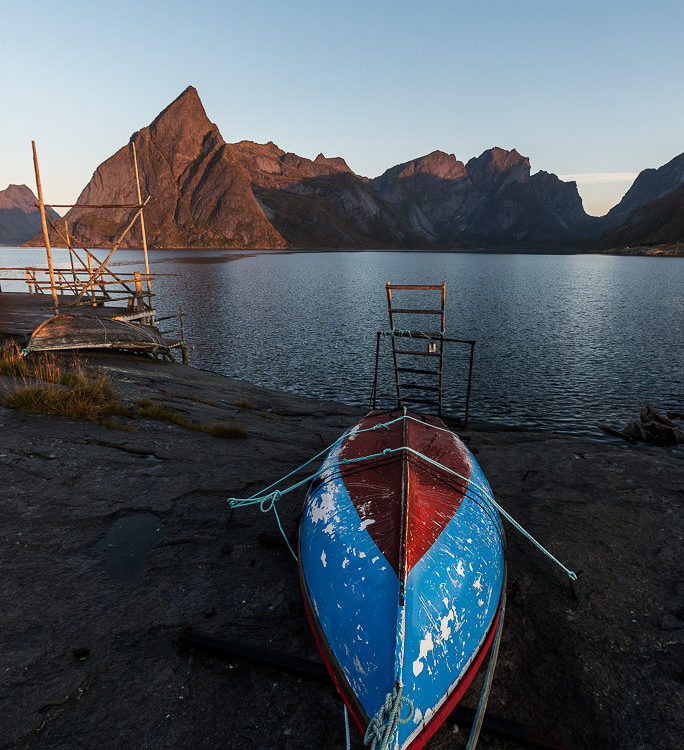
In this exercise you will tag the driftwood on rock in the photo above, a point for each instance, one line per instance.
(651, 428)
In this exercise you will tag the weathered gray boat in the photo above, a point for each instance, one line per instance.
(73, 331)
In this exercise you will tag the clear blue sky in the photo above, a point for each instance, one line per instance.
(593, 89)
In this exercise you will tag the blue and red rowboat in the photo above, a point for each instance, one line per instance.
(402, 565)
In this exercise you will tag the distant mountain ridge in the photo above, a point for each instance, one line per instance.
(19, 217)
(658, 222)
(649, 185)
(209, 193)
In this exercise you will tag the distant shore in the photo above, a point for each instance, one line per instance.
(114, 539)
(655, 251)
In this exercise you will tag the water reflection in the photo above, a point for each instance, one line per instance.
(562, 341)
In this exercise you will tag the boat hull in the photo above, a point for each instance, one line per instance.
(401, 565)
(73, 331)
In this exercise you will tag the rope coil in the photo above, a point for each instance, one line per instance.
(383, 725)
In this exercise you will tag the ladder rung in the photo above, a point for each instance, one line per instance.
(417, 372)
(415, 286)
(419, 387)
(418, 354)
(416, 312)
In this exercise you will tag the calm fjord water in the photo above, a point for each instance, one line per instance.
(563, 342)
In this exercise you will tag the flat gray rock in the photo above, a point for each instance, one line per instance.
(112, 541)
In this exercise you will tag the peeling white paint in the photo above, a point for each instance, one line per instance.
(426, 646)
(444, 629)
(345, 562)
(460, 569)
(417, 716)
(362, 554)
(365, 523)
(323, 559)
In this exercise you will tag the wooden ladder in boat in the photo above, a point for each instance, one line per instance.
(418, 343)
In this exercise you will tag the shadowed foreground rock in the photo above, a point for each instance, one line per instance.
(112, 541)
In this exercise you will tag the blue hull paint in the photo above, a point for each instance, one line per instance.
(451, 598)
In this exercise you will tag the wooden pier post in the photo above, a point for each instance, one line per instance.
(41, 206)
(90, 278)
(138, 291)
(142, 224)
(184, 346)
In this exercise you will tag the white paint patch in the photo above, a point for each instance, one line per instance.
(345, 562)
(362, 554)
(365, 523)
(444, 629)
(480, 602)
(323, 559)
(324, 508)
(417, 716)
(375, 559)
(426, 646)
(460, 569)
(330, 529)
(477, 584)
(428, 714)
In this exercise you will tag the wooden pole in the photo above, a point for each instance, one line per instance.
(184, 346)
(71, 255)
(90, 279)
(142, 221)
(41, 206)
(103, 264)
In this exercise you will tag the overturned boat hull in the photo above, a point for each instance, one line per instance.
(402, 567)
(73, 331)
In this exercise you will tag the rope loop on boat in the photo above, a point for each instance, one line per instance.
(382, 726)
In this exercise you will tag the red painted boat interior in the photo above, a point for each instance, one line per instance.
(375, 486)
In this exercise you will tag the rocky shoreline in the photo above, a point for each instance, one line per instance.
(113, 540)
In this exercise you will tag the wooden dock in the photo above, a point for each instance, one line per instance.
(21, 313)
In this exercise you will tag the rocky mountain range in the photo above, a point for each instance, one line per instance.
(209, 193)
(19, 217)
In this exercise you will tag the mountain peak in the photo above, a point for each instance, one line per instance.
(187, 102)
(498, 167)
(335, 163)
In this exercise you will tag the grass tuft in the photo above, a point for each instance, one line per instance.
(83, 398)
(44, 387)
(227, 430)
(153, 410)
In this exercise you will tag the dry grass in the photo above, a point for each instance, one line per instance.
(41, 385)
(152, 410)
(88, 398)
(227, 430)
